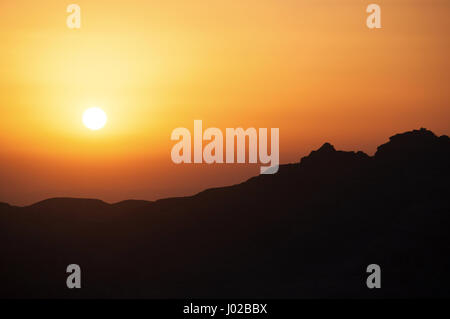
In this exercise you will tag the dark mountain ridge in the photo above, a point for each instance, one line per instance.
(308, 231)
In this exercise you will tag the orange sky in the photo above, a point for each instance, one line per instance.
(311, 68)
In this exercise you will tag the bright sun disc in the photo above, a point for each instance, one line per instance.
(94, 118)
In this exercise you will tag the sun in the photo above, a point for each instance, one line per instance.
(94, 118)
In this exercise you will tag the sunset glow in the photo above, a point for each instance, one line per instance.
(311, 68)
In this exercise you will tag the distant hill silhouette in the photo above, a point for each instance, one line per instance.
(308, 231)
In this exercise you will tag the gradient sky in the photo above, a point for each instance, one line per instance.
(311, 68)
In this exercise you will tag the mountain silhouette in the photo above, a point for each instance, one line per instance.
(309, 231)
